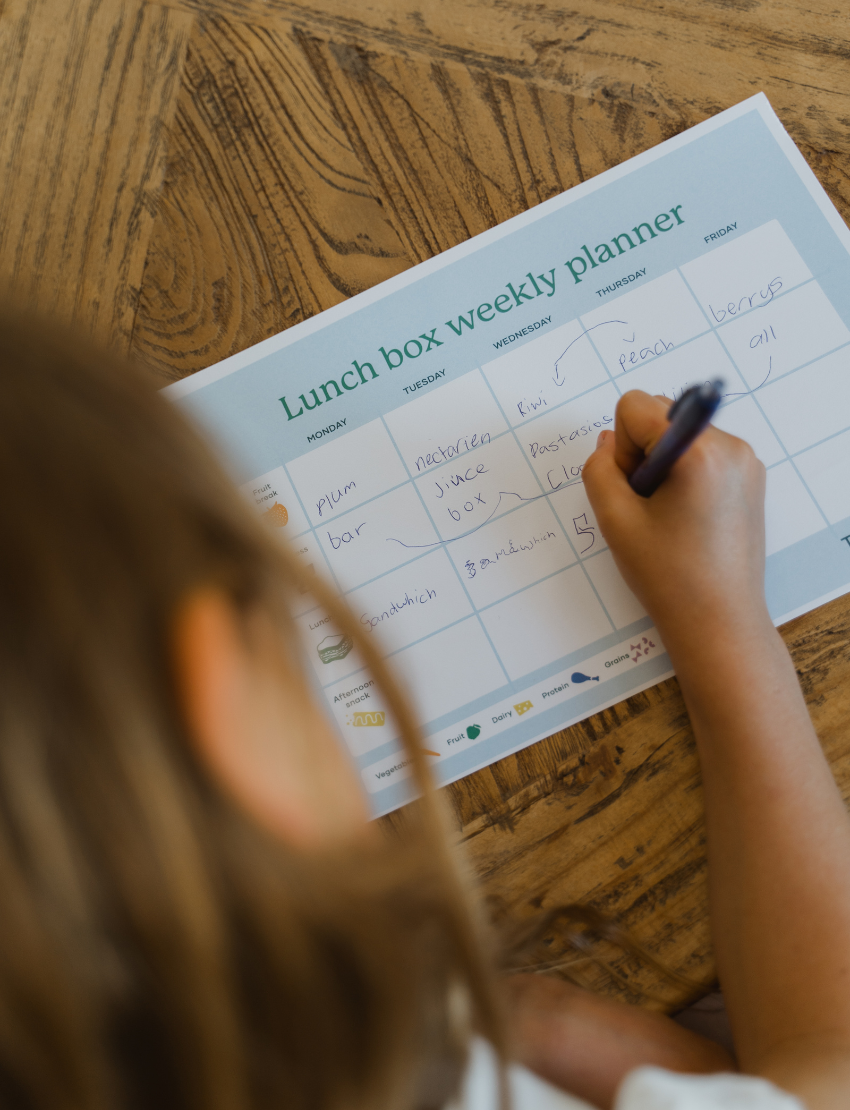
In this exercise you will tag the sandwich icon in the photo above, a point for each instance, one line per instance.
(334, 647)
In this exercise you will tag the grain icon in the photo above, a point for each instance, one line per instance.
(277, 515)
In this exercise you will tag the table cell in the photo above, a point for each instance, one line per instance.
(544, 623)
(785, 334)
(410, 603)
(558, 443)
(307, 549)
(377, 537)
(545, 372)
(511, 553)
(811, 404)
(446, 424)
(701, 360)
(347, 471)
(448, 670)
(743, 418)
(361, 712)
(573, 510)
(465, 495)
(825, 471)
(640, 326)
(275, 500)
(745, 273)
(331, 653)
(790, 513)
(622, 605)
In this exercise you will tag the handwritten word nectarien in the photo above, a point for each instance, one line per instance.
(451, 450)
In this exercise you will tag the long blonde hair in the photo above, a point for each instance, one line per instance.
(158, 948)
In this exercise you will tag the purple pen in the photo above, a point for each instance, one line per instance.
(688, 416)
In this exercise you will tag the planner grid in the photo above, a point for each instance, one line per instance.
(457, 525)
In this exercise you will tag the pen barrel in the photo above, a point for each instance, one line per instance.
(655, 467)
(689, 416)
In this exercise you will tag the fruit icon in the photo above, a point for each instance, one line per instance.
(277, 515)
(473, 731)
(334, 647)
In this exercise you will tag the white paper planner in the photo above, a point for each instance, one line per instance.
(422, 444)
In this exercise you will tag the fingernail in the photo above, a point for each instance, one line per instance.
(600, 439)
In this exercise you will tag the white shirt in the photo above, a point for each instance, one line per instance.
(643, 1089)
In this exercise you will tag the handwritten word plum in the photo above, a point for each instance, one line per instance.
(332, 498)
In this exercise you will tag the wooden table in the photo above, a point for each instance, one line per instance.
(188, 178)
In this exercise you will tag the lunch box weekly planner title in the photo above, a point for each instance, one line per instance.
(422, 444)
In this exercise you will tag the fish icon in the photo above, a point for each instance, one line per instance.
(577, 676)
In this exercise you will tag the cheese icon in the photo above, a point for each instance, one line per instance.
(369, 720)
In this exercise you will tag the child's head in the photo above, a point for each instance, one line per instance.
(191, 913)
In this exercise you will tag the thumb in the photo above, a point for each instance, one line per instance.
(641, 420)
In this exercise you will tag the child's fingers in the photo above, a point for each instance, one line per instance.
(604, 480)
(641, 420)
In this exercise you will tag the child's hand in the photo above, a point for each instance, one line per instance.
(693, 552)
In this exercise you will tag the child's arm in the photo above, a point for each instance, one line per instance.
(587, 1044)
(778, 832)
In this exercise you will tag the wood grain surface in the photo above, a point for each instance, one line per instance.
(86, 90)
(187, 178)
